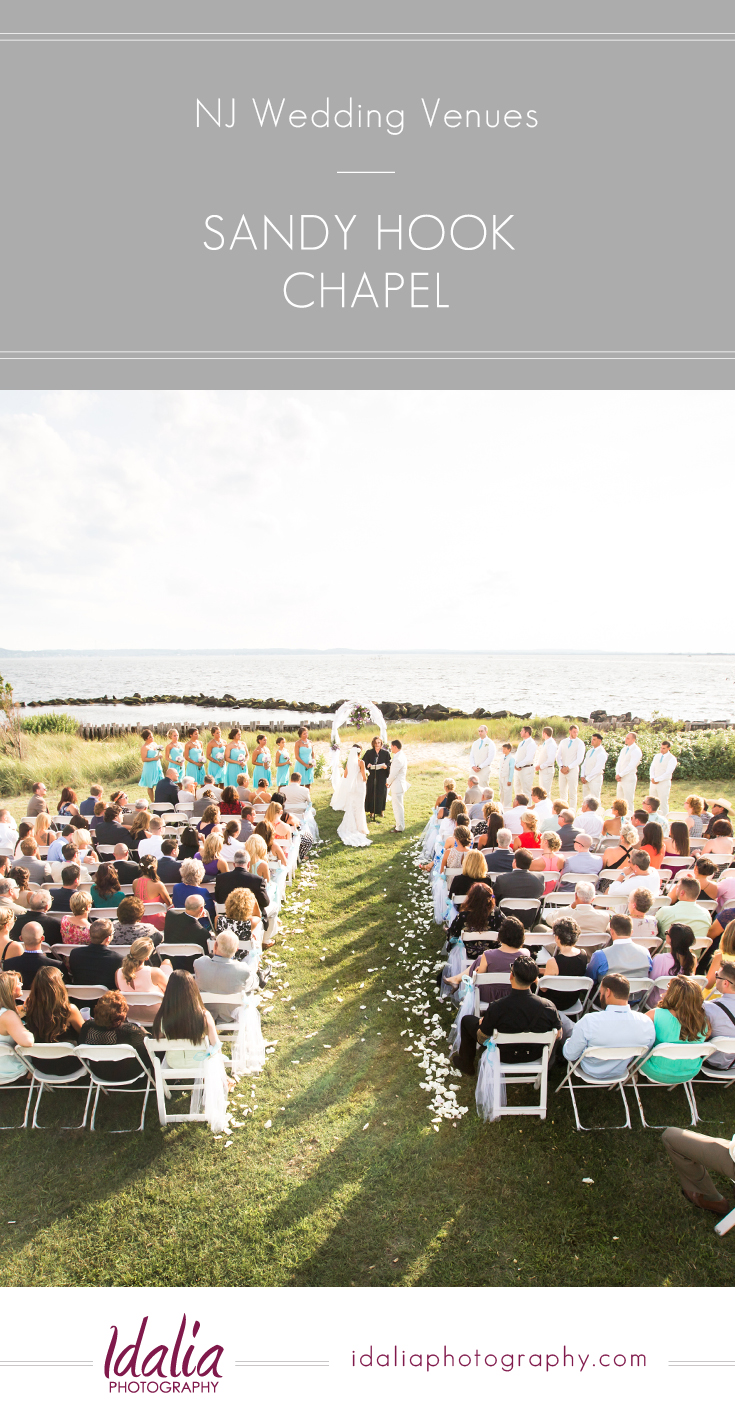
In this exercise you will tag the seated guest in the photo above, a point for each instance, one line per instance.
(684, 907)
(273, 849)
(297, 797)
(68, 802)
(186, 794)
(455, 850)
(151, 845)
(98, 817)
(262, 793)
(110, 831)
(528, 836)
(211, 857)
(568, 830)
(497, 957)
(640, 875)
(581, 860)
(589, 819)
(616, 1025)
(587, 917)
(192, 876)
(193, 925)
(694, 808)
(50, 1017)
(28, 859)
(618, 856)
(474, 870)
(273, 816)
(139, 827)
(126, 867)
(720, 809)
(96, 961)
(651, 807)
(167, 788)
(565, 961)
(521, 883)
(208, 799)
(721, 1014)
(705, 871)
(38, 906)
(189, 843)
(8, 891)
(676, 842)
(9, 944)
(61, 896)
(230, 841)
(222, 973)
(37, 802)
(639, 904)
(42, 831)
(443, 801)
(541, 805)
(693, 1156)
(242, 787)
(135, 975)
(87, 806)
(22, 879)
(32, 957)
(182, 1016)
(209, 821)
(485, 830)
(624, 956)
(514, 814)
(675, 960)
(168, 863)
(719, 837)
(240, 877)
(8, 833)
(612, 826)
(257, 851)
(474, 792)
(129, 925)
(110, 1025)
(477, 914)
(105, 889)
(638, 821)
(247, 824)
(75, 925)
(517, 1011)
(241, 915)
(69, 855)
(679, 1016)
(149, 888)
(652, 842)
(229, 804)
(12, 1031)
(549, 860)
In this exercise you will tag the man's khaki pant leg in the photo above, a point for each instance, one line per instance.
(693, 1156)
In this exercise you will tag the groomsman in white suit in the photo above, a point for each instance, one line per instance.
(592, 771)
(397, 783)
(482, 756)
(505, 776)
(546, 759)
(525, 761)
(569, 757)
(661, 773)
(626, 770)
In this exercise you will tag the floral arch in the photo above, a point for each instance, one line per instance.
(353, 712)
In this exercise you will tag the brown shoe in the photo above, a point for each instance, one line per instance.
(716, 1207)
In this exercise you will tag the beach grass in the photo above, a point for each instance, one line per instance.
(339, 1176)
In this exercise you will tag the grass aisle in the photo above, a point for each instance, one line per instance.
(338, 1175)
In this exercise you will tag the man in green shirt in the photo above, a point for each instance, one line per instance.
(686, 909)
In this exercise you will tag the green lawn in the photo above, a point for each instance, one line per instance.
(318, 1199)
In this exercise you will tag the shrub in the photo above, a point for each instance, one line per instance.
(49, 724)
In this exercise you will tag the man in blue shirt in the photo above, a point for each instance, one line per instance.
(88, 805)
(625, 956)
(580, 861)
(617, 1025)
(500, 859)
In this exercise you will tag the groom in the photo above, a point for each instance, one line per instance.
(397, 783)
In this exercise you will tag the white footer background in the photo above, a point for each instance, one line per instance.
(437, 1353)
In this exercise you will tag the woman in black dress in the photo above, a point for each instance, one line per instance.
(377, 768)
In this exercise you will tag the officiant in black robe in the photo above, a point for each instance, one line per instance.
(377, 768)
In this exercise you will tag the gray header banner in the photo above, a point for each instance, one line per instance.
(303, 210)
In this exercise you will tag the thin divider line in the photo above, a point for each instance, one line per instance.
(94, 37)
(195, 352)
(370, 357)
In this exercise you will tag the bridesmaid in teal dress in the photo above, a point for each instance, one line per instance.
(261, 761)
(194, 755)
(283, 763)
(303, 754)
(150, 757)
(216, 756)
(236, 758)
(174, 753)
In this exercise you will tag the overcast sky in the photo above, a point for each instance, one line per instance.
(475, 520)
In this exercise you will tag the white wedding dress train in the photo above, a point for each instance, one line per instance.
(349, 797)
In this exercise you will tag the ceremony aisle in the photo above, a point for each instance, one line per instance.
(352, 1159)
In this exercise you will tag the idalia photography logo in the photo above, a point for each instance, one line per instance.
(138, 1368)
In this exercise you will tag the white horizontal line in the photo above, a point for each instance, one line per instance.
(365, 171)
(684, 37)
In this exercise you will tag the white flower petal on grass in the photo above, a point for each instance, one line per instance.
(367, 1123)
(586, 1180)
(268, 1124)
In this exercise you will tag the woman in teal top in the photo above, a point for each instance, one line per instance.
(150, 757)
(302, 752)
(194, 755)
(174, 753)
(236, 758)
(679, 1016)
(216, 757)
(261, 761)
(283, 763)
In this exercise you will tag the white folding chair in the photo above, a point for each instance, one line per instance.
(651, 944)
(709, 1075)
(488, 979)
(109, 912)
(583, 985)
(558, 899)
(528, 1073)
(18, 1082)
(93, 1057)
(162, 808)
(459, 898)
(613, 901)
(50, 1052)
(593, 940)
(86, 993)
(579, 1080)
(106, 849)
(669, 1051)
(579, 878)
(510, 905)
(168, 1079)
(144, 1006)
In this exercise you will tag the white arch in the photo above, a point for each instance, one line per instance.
(343, 716)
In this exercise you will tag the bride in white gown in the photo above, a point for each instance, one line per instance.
(349, 797)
